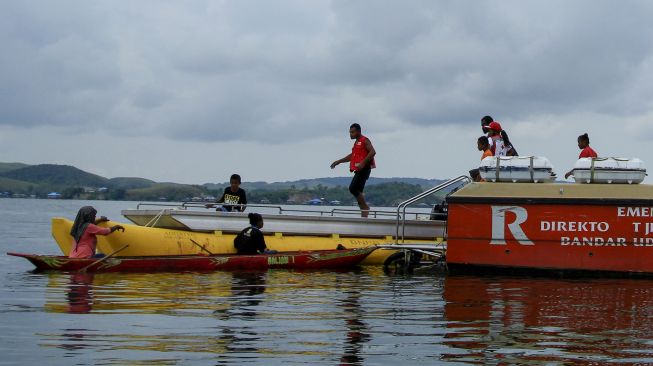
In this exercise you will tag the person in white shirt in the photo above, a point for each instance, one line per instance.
(485, 126)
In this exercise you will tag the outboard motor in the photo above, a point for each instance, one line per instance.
(439, 211)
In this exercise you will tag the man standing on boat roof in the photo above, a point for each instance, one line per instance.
(361, 162)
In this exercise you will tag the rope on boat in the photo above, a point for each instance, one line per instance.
(155, 219)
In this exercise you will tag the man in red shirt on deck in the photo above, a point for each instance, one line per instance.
(586, 150)
(361, 162)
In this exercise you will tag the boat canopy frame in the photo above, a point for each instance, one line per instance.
(281, 210)
(400, 214)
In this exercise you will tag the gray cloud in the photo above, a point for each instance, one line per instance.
(269, 71)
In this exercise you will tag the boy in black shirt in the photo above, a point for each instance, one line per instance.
(251, 241)
(233, 195)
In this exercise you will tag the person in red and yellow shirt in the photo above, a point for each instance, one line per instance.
(361, 162)
(585, 150)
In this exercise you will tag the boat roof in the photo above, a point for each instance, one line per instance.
(562, 191)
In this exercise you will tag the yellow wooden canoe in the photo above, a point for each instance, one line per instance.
(147, 241)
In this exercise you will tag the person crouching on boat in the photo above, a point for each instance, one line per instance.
(483, 145)
(586, 151)
(251, 241)
(85, 231)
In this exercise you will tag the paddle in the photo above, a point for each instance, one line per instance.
(104, 258)
(201, 247)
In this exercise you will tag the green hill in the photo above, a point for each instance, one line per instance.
(13, 185)
(39, 180)
(130, 183)
(168, 191)
(56, 175)
(329, 182)
(5, 167)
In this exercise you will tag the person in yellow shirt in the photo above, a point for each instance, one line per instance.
(484, 145)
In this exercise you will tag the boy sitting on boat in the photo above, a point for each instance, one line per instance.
(251, 241)
(233, 197)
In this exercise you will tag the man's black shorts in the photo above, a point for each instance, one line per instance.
(358, 181)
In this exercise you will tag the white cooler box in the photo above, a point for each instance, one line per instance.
(524, 169)
(609, 170)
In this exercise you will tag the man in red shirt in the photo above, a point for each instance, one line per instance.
(586, 150)
(361, 162)
(584, 145)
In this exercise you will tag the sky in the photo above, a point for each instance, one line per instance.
(193, 91)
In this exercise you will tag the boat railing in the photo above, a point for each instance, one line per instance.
(401, 208)
(281, 210)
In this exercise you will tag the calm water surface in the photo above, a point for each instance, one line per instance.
(360, 317)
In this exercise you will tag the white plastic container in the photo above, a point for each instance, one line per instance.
(516, 169)
(609, 170)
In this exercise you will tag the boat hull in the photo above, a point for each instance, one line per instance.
(552, 227)
(308, 224)
(146, 241)
(315, 260)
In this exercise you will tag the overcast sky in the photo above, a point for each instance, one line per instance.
(193, 91)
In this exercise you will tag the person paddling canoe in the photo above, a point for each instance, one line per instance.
(85, 231)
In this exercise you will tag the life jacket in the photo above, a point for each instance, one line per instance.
(506, 150)
(588, 152)
(241, 241)
(358, 154)
(499, 148)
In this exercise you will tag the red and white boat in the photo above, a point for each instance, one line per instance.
(552, 226)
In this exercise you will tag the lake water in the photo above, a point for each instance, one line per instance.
(359, 317)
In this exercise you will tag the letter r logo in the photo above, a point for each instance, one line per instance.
(499, 225)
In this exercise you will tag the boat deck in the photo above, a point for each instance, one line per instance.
(308, 223)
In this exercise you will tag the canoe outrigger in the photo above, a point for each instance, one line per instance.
(158, 242)
(312, 260)
(284, 232)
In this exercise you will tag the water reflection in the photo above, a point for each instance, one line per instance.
(237, 336)
(80, 293)
(348, 318)
(357, 330)
(518, 320)
(246, 290)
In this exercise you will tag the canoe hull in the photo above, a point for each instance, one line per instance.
(146, 241)
(314, 260)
